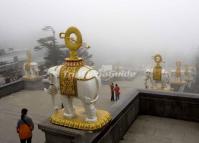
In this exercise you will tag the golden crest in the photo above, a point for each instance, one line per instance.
(72, 43)
(68, 81)
(78, 122)
(157, 70)
(157, 73)
(178, 69)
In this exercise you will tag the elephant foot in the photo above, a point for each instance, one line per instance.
(94, 119)
(69, 115)
(56, 108)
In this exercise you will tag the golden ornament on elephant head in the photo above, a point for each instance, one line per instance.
(72, 43)
(68, 82)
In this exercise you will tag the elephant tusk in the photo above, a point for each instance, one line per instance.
(95, 99)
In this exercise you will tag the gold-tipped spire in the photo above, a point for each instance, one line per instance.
(29, 56)
(73, 44)
(178, 69)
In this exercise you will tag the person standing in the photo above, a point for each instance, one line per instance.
(25, 127)
(117, 92)
(112, 92)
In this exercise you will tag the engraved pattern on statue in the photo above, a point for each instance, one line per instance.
(68, 82)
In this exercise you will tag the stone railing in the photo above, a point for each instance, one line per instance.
(124, 113)
(11, 87)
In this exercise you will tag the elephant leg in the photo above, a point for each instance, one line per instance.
(90, 111)
(54, 102)
(68, 106)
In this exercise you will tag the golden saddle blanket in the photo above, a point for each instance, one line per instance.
(69, 75)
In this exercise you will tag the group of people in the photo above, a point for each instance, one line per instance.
(115, 92)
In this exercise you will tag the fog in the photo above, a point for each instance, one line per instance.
(127, 32)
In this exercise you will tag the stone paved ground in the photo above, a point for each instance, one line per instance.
(150, 129)
(39, 105)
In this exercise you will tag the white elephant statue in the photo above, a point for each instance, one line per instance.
(150, 83)
(31, 70)
(88, 85)
(34, 69)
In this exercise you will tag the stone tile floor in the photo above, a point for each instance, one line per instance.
(150, 129)
(146, 129)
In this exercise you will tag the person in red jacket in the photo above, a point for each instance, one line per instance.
(117, 92)
(25, 127)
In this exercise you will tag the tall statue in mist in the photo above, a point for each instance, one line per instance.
(31, 70)
(75, 79)
(157, 77)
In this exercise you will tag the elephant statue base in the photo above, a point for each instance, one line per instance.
(78, 122)
(178, 82)
(159, 86)
(29, 78)
(178, 85)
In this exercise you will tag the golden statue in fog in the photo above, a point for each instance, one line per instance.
(157, 70)
(178, 71)
(31, 70)
(157, 77)
(178, 82)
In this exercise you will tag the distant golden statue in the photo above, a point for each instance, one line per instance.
(187, 73)
(157, 70)
(178, 71)
(157, 77)
(31, 70)
(178, 82)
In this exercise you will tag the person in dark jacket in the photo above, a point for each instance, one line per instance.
(112, 92)
(25, 127)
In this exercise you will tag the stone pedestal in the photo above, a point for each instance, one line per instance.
(142, 102)
(59, 134)
(34, 84)
(178, 86)
(183, 106)
(123, 114)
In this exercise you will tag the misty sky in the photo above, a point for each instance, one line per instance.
(119, 31)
